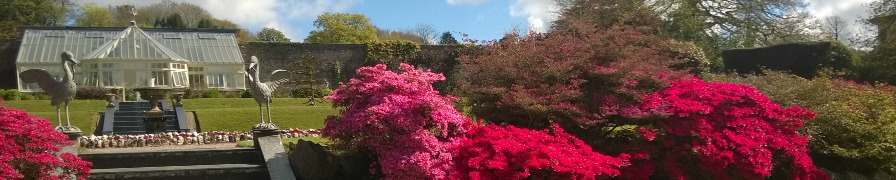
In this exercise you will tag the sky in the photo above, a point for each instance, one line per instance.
(479, 19)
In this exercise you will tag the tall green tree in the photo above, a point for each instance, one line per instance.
(17, 13)
(271, 34)
(206, 23)
(342, 28)
(172, 21)
(447, 38)
(94, 16)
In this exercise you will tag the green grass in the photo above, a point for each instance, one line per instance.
(82, 113)
(239, 114)
(215, 114)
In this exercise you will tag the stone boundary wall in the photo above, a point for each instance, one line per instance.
(345, 58)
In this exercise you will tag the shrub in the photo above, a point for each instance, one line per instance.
(27, 147)
(211, 93)
(588, 81)
(494, 152)
(28, 96)
(10, 94)
(727, 131)
(91, 93)
(400, 118)
(246, 93)
(855, 125)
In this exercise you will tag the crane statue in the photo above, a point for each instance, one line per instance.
(62, 91)
(261, 91)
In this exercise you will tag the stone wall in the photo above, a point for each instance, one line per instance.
(345, 58)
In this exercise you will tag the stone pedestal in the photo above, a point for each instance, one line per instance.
(275, 158)
(73, 134)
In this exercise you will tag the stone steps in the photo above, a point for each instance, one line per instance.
(221, 163)
(128, 119)
(195, 172)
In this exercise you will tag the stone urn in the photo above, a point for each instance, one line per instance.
(155, 117)
(110, 98)
(178, 96)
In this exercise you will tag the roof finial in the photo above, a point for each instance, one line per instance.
(134, 17)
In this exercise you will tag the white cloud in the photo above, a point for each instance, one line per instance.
(257, 13)
(851, 11)
(540, 13)
(473, 2)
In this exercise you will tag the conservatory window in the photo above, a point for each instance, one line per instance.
(92, 79)
(197, 79)
(159, 65)
(161, 77)
(109, 79)
(216, 80)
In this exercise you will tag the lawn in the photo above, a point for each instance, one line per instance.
(82, 113)
(239, 114)
(215, 114)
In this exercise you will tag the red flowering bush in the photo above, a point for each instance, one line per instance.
(407, 125)
(728, 131)
(587, 80)
(495, 152)
(27, 147)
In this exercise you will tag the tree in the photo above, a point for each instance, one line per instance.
(271, 34)
(447, 39)
(17, 13)
(206, 23)
(122, 16)
(835, 28)
(172, 21)
(426, 32)
(94, 16)
(308, 75)
(342, 28)
(389, 35)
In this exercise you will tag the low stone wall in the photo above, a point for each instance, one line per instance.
(181, 139)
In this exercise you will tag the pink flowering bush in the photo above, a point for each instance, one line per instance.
(725, 131)
(407, 125)
(27, 147)
(495, 152)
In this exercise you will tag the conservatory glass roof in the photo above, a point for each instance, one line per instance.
(44, 44)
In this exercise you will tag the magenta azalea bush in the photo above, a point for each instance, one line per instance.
(495, 152)
(729, 131)
(27, 149)
(408, 126)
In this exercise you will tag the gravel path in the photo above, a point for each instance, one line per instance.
(204, 146)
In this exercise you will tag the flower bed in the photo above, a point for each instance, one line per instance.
(180, 139)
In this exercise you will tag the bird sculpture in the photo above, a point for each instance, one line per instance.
(62, 91)
(261, 91)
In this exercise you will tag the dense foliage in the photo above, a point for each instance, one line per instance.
(342, 28)
(398, 117)
(495, 152)
(855, 125)
(728, 131)
(390, 53)
(27, 149)
(585, 79)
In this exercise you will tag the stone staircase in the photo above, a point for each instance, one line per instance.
(129, 119)
(219, 163)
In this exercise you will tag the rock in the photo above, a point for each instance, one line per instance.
(311, 161)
